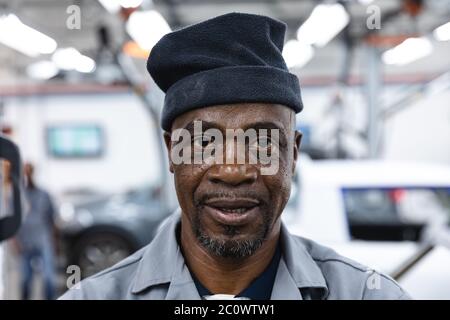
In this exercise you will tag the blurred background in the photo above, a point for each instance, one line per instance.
(373, 180)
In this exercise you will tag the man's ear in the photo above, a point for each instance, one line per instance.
(297, 141)
(168, 143)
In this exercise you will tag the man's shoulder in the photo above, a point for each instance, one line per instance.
(110, 284)
(151, 266)
(323, 255)
(348, 279)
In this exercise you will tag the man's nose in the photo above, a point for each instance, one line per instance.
(233, 175)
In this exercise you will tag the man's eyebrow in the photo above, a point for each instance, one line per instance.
(269, 125)
(205, 126)
(256, 125)
(265, 125)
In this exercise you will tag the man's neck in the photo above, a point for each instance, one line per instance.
(225, 275)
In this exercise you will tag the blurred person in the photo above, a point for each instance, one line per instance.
(227, 240)
(35, 241)
(5, 203)
(6, 185)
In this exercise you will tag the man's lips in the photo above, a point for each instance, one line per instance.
(231, 204)
(232, 211)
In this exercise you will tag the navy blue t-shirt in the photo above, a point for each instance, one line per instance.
(260, 288)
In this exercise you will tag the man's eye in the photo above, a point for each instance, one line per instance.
(264, 142)
(202, 141)
(261, 143)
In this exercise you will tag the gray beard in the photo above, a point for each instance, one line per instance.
(231, 248)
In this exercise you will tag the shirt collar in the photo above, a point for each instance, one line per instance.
(302, 268)
(296, 270)
(169, 266)
(260, 288)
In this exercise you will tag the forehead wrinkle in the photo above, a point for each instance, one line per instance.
(229, 116)
(237, 112)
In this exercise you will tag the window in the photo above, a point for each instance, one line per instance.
(394, 214)
(75, 141)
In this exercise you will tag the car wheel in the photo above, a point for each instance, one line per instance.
(95, 252)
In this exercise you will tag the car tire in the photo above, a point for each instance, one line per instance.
(96, 251)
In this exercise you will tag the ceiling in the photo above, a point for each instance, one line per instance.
(49, 17)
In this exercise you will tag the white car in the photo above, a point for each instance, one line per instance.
(381, 214)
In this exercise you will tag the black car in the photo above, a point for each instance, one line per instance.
(100, 232)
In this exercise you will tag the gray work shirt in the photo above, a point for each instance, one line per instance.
(306, 270)
(37, 225)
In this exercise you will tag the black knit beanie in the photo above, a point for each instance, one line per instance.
(233, 58)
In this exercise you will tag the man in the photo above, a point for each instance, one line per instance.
(35, 239)
(227, 240)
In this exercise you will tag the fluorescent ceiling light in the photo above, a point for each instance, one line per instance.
(408, 51)
(147, 27)
(112, 6)
(130, 3)
(71, 59)
(65, 58)
(324, 23)
(42, 70)
(23, 38)
(297, 54)
(85, 64)
(442, 33)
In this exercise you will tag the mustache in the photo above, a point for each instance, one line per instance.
(247, 194)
